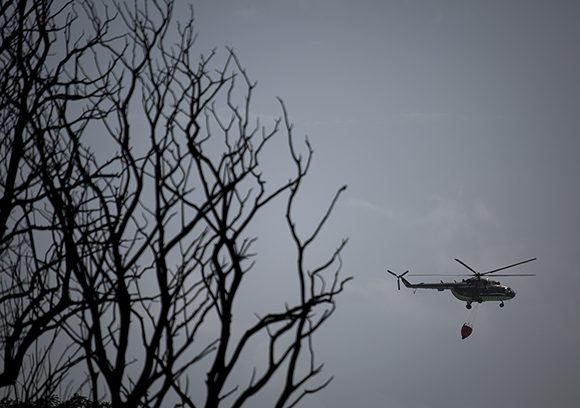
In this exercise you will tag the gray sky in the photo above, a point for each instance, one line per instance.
(456, 126)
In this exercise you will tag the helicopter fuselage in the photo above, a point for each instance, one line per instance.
(476, 290)
(482, 291)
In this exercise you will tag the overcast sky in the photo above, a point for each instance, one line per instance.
(455, 125)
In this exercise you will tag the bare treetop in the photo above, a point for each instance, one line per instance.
(126, 257)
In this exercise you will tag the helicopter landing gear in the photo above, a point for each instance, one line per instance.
(468, 306)
(501, 304)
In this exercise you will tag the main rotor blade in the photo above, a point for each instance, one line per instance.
(438, 274)
(517, 274)
(509, 266)
(467, 266)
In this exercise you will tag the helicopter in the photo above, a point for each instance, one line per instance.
(477, 288)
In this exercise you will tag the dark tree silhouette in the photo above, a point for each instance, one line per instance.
(131, 178)
(42, 80)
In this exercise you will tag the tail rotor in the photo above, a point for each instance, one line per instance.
(398, 277)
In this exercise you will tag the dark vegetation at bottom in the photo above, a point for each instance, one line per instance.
(76, 401)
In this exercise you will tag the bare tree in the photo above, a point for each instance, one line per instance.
(42, 75)
(150, 227)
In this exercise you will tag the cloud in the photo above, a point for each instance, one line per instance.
(444, 226)
(454, 220)
(365, 205)
(425, 116)
(248, 11)
(452, 210)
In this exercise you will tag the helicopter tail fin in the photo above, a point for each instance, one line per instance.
(400, 278)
